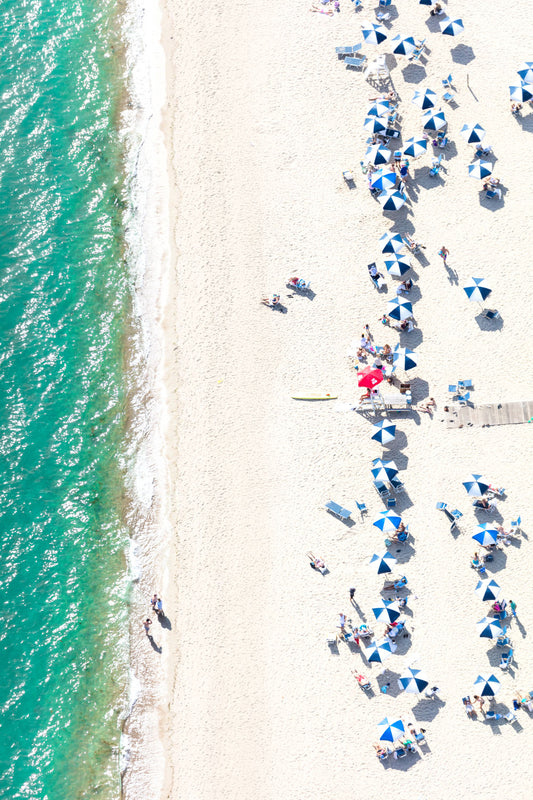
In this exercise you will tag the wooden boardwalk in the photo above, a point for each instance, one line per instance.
(489, 414)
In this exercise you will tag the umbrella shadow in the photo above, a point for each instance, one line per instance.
(499, 562)
(402, 551)
(419, 389)
(526, 123)
(427, 709)
(389, 678)
(491, 203)
(412, 339)
(403, 764)
(432, 23)
(489, 324)
(450, 150)
(462, 54)
(403, 643)
(414, 73)
(393, 11)
(415, 293)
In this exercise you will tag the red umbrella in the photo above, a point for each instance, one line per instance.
(369, 377)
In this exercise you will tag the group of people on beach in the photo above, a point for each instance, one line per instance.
(157, 607)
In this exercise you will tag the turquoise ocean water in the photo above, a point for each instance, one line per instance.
(64, 305)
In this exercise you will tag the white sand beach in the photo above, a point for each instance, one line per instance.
(262, 120)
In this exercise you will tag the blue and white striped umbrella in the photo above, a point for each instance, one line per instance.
(383, 179)
(489, 628)
(404, 45)
(526, 72)
(488, 589)
(391, 243)
(476, 485)
(487, 685)
(384, 470)
(415, 146)
(384, 431)
(381, 108)
(391, 200)
(433, 120)
(390, 729)
(522, 93)
(388, 612)
(373, 34)
(375, 124)
(485, 536)
(399, 309)
(403, 358)
(377, 155)
(382, 564)
(388, 521)
(472, 132)
(451, 27)
(398, 264)
(477, 290)
(413, 680)
(425, 2)
(425, 99)
(480, 170)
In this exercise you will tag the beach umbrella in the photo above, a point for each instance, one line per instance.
(403, 358)
(391, 243)
(413, 680)
(487, 685)
(388, 521)
(476, 485)
(384, 431)
(477, 290)
(434, 120)
(451, 27)
(488, 589)
(382, 564)
(489, 628)
(425, 99)
(375, 124)
(379, 650)
(425, 2)
(522, 93)
(398, 265)
(526, 72)
(383, 179)
(390, 729)
(415, 146)
(369, 377)
(404, 45)
(391, 200)
(384, 471)
(377, 155)
(472, 132)
(481, 169)
(373, 34)
(485, 536)
(388, 612)
(399, 308)
(381, 108)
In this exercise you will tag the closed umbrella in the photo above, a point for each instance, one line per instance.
(415, 146)
(373, 34)
(451, 27)
(378, 650)
(522, 93)
(388, 521)
(384, 431)
(433, 120)
(390, 729)
(398, 265)
(485, 536)
(369, 377)
(404, 45)
(489, 628)
(477, 290)
(472, 132)
(375, 124)
(425, 99)
(403, 358)
(413, 680)
(487, 685)
(388, 612)
(391, 200)
(384, 471)
(382, 563)
(526, 72)
(476, 485)
(480, 170)
(488, 589)
(399, 309)
(377, 155)
(383, 179)
(391, 243)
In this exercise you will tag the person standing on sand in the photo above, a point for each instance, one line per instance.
(444, 253)
(153, 602)
(146, 625)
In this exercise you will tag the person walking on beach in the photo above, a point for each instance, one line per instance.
(444, 253)
(153, 602)
(159, 608)
(146, 625)
(513, 607)
(352, 594)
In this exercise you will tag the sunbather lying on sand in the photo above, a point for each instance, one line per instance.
(320, 10)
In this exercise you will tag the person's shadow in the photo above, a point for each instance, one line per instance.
(164, 621)
(155, 646)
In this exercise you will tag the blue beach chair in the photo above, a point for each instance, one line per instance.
(337, 510)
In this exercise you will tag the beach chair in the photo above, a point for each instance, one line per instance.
(467, 384)
(492, 716)
(448, 97)
(442, 506)
(396, 583)
(385, 2)
(358, 4)
(463, 398)
(490, 313)
(355, 62)
(515, 525)
(363, 682)
(506, 659)
(381, 489)
(337, 510)
(503, 640)
(447, 82)
(391, 502)
(382, 16)
(400, 752)
(456, 513)
(391, 133)
(397, 485)
(510, 717)
(452, 388)
(469, 708)
(490, 194)
(485, 150)
(435, 169)
(362, 508)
